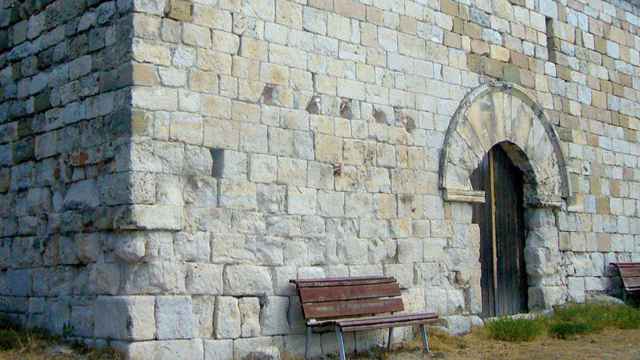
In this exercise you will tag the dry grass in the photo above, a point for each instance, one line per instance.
(616, 337)
(16, 344)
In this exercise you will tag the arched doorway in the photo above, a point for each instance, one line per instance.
(502, 234)
(498, 113)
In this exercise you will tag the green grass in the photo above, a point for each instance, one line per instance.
(600, 316)
(568, 330)
(515, 330)
(566, 322)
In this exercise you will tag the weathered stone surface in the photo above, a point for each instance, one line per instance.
(82, 195)
(174, 317)
(247, 280)
(204, 279)
(125, 317)
(255, 348)
(165, 349)
(457, 324)
(250, 311)
(218, 349)
(227, 319)
(274, 316)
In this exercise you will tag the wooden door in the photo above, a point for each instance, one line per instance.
(502, 235)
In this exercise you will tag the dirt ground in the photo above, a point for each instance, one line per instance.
(608, 344)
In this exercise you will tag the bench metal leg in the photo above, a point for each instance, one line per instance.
(343, 356)
(307, 338)
(425, 338)
(389, 341)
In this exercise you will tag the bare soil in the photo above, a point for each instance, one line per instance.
(608, 344)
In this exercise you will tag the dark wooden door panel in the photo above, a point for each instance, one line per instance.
(509, 234)
(501, 220)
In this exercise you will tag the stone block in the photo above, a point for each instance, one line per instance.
(158, 217)
(204, 279)
(331, 203)
(238, 194)
(292, 171)
(125, 317)
(174, 317)
(250, 314)
(301, 201)
(155, 277)
(457, 324)
(192, 247)
(247, 280)
(274, 317)
(82, 195)
(253, 138)
(129, 247)
(203, 308)
(328, 148)
(155, 98)
(227, 318)
(181, 10)
(263, 168)
(255, 348)
(162, 350)
(218, 349)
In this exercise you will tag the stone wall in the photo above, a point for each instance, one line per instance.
(176, 162)
(64, 134)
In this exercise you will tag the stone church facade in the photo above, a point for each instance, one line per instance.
(167, 166)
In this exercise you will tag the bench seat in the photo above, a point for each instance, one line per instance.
(382, 322)
(349, 304)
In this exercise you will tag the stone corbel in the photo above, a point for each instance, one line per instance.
(543, 200)
(464, 195)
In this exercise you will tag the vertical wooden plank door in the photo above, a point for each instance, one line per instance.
(502, 235)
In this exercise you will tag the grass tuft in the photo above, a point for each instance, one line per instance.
(599, 316)
(566, 323)
(568, 330)
(515, 330)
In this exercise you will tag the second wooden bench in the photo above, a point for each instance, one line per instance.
(630, 275)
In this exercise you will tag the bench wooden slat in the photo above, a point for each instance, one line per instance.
(387, 325)
(337, 309)
(351, 292)
(342, 281)
(372, 320)
(626, 264)
(630, 275)
(630, 271)
(631, 283)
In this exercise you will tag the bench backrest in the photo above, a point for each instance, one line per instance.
(340, 297)
(630, 274)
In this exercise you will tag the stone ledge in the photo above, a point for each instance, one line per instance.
(463, 195)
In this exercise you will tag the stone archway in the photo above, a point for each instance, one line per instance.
(501, 113)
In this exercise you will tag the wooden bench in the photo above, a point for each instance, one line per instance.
(348, 304)
(630, 275)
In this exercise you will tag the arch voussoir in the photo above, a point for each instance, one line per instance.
(500, 113)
